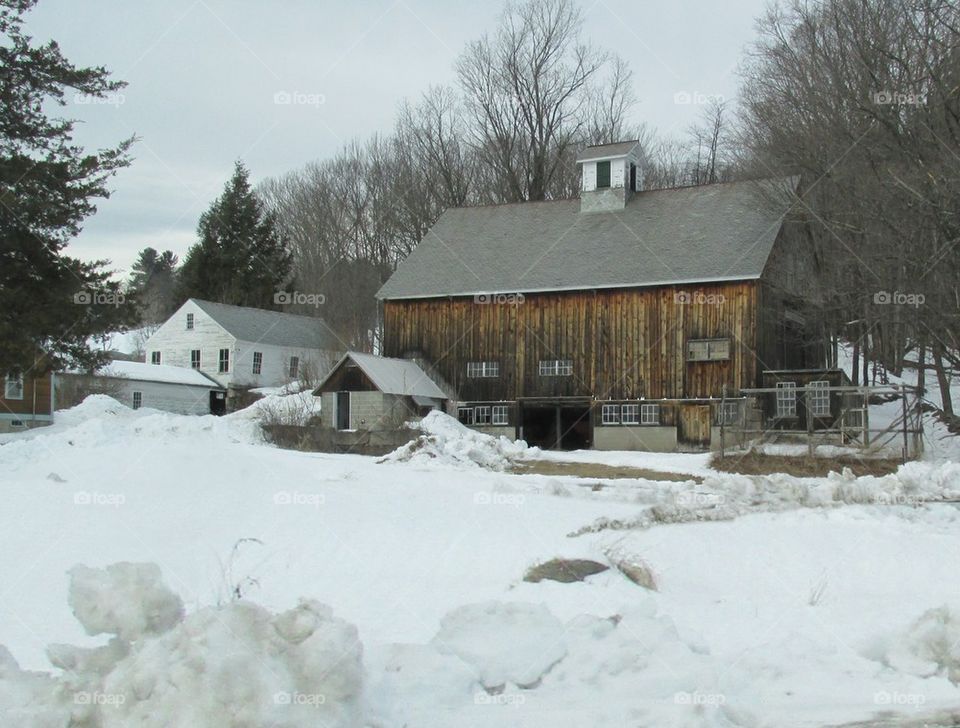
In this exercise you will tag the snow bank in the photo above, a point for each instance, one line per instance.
(931, 646)
(127, 600)
(446, 442)
(232, 665)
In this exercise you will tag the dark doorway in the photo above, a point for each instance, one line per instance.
(343, 410)
(556, 426)
(694, 426)
(218, 403)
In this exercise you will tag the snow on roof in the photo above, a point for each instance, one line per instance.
(391, 376)
(157, 373)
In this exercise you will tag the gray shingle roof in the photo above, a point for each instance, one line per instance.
(686, 235)
(272, 327)
(616, 149)
(391, 376)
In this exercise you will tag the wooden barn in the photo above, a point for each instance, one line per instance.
(26, 400)
(614, 321)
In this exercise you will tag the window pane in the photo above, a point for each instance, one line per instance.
(501, 415)
(630, 414)
(603, 174)
(786, 399)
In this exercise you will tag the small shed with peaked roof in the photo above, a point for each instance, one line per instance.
(368, 392)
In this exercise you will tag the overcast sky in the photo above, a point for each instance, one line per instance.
(203, 76)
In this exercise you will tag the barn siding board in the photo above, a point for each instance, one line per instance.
(624, 344)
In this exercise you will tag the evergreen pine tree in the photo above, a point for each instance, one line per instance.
(50, 304)
(153, 283)
(241, 257)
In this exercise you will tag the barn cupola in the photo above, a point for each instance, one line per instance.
(610, 174)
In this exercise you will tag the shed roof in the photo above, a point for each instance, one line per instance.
(271, 327)
(605, 151)
(701, 234)
(391, 376)
(164, 373)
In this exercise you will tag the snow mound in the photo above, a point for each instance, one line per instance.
(444, 441)
(125, 599)
(931, 646)
(237, 665)
(513, 643)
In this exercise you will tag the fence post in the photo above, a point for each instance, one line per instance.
(903, 396)
(808, 413)
(723, 419)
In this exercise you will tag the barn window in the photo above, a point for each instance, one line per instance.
(13, 387)
(786, 399)
(556, 367)
(257, 362)
(610, 414)
(189, 322)
(294, 371)
(708, 349)
(137, 400)
(630, 414)
(224, 361)
(465, 415)
(729, 413)
(603, 174)
(501, 414)
(483, 369)
(194, 358)
(481, 415)
(649, 414)
(820, 398)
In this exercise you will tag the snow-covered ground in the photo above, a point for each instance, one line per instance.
(781, 601)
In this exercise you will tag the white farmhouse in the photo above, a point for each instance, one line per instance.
(242, 348)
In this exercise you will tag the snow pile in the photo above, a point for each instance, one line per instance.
(232, 665)
(127, 600)
(931, 646)
(294, 408)
(513, 643)
(446, 442)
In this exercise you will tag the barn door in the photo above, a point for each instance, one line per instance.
(343, 410)
(693, 429)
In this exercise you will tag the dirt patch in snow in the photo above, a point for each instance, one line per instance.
(755, 463)
(566, 571)
(598, 470)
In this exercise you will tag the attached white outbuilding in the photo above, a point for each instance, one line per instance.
(167, 388)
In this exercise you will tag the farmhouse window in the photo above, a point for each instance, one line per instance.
(630, 414)
(13, 387)
(137, 400)
(820, 398)
(294, 367)
(154, 357)
(501, 414)
(189, 321)
(649, 414)
(603, 174)
(465, 415)
(729, 413)
(610, 414)
(708, 349)
(556, 367)
(483, 369)
(481, 416)
(257, 362)
(194, 358)
(786, 399)
(224, 361)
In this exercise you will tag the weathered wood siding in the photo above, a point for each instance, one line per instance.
(36, 397)
(624, 344)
